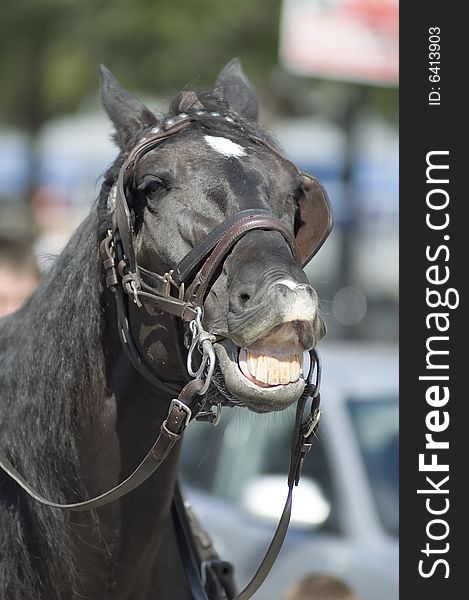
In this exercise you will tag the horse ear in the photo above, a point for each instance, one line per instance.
(237, 91)
(128, 114)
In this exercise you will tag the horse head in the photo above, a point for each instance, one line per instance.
(259, 309)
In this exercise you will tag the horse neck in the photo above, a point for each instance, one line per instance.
(138, 529)
(146, 552)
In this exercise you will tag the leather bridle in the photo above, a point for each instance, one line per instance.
(181, 293)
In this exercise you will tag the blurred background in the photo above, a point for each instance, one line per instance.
(326, 72)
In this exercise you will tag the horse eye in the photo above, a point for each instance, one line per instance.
(151, 184)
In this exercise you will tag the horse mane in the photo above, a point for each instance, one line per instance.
(52, 384)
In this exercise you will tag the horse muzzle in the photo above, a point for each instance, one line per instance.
(270, 372)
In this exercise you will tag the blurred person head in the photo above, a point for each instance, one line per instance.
(18, 274)
(320, 587)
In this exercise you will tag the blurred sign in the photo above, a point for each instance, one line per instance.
(353, 40)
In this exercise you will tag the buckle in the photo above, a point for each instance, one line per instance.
(312, 423)
(180, 406)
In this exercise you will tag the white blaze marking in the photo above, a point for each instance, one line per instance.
(225, 146)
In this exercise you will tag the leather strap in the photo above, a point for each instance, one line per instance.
(123, 213)
(242, 225)
(173, 306)
(186, 549)
(192, 262)
(300, 446)
(209, 577)
(171, 430)
(302, 437)
(272, 552)
(136, 358)
(219, 243)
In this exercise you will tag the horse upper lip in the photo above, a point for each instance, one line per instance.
(296, 324)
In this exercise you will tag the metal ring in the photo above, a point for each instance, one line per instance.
(190, 352)
(133, 287)
(313, 422)
(209, 352)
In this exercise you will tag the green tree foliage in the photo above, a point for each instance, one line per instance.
(50, 49)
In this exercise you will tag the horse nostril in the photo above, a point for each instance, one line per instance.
(244, 298)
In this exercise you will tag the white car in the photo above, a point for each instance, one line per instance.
(345, 517)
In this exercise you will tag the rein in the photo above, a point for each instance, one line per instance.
(181, 293)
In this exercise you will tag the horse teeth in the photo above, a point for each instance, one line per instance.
(275, 359)
(284, 372)
(272, 369)
(295, 368)
(251, 363)
(262, 369)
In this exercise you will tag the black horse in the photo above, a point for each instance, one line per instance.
(76, 414)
